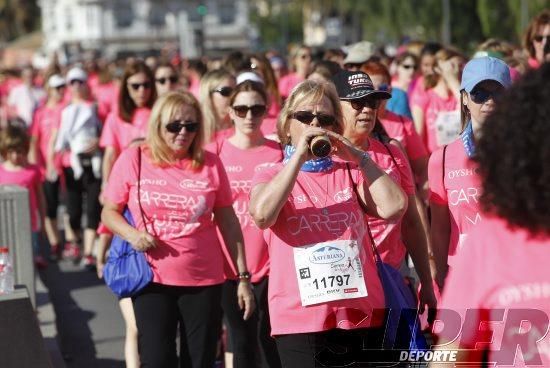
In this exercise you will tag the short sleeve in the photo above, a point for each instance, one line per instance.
(413, 143)
(223, 194)
(407, 182)
(264, 174)
(108, 136)
(118, 186)
(420, 99)
(438, 193)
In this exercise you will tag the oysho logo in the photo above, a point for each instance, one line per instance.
(327, 255)
(233, 169)
(193, 185)
(343, 195)
(264, 166)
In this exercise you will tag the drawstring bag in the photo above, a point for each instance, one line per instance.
(126, 271)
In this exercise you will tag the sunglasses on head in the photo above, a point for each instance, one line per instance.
(256, 110)
(408, 66)
(172, 79)
(480, 95)
(306, 117)
(177, 125)
(224, 91)
(360, 103)
(539, 38)
(137, 86)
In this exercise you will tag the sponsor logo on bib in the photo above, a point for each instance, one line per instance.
(327, 255)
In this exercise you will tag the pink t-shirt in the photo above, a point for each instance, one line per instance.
(302, 221)
(28, 177)
(106, 95)
(240, 166)
(287, 83)
(177, 203)
(459, 190)
(502, 272)
(432, 105)
(218, 140)
(119, 134)
(387, 234)
(45, 120)
(401, 128)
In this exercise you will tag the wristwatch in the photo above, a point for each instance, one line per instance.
(365, 158)
(244, 275)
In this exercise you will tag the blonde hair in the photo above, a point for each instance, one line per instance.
(208, 83)
(313, 91)
(163, 111)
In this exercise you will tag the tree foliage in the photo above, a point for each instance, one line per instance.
(17, 18)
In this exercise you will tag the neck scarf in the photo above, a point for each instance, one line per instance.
(315, 165)
(468, 140)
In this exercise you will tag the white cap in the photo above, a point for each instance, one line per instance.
(56, 81)
(251, 76)
(77, 74)
(359, 52)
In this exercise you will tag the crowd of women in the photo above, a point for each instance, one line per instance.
(264, 197)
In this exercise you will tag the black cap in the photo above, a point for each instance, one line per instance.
(354, 85)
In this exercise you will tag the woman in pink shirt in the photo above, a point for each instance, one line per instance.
(242, 154)
(323, 285)
(167, 78)
(300, 58)
(216, 87)
(183, 193)
(453, 178)
(500, 284)
(536, 37)
(260, 64)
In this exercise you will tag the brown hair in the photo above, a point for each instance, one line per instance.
(313, 91)
(400, 59)
(264, 67)
(376, 68)
(126, 105)
(442, 55)
(248, 86)
(14, 138)
(163, 111)
(542, 19)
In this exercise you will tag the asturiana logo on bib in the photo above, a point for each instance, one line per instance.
(326, 255)
(193, 184)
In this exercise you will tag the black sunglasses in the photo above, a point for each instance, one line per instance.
(360, 103)
(353, 66)
(76, 81)
(539, 38)
(256, 110)
(224, 91)
(137, 86)
(172, 79)
(306, 117)
(59, 88)
(408, 66)
(480, 95)
(176, 126)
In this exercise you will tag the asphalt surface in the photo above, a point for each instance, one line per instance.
(90, 328)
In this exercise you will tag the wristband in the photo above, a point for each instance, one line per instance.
(244, 275)
(365, 158)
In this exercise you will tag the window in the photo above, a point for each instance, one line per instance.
(123, 13)
(157, 15)
(227, 12)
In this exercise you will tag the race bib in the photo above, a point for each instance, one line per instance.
(447, 127)
(329, 271)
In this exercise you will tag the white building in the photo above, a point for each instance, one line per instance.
(118, 27)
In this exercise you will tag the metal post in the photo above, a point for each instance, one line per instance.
(446, 22)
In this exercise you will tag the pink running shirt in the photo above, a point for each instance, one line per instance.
(459, 190)
(45, 120)
(287, 83)
(401, 128)
(302, 222)
(240, 166)
(177, 203)
(506, 269)
(119, 134)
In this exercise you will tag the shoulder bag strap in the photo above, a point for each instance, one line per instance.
(390, 153)
(443, 166)
(139, 189)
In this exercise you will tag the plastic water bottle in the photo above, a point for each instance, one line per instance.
(7, 279)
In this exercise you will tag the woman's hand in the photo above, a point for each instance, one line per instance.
(302, 147)
(343, 148)
(426, 298)
(142, 240)
(245, 297)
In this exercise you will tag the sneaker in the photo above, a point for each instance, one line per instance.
(88, 262)
(54, 252)
(40, 262)
(71, 251)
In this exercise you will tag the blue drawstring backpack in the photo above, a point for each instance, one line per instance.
(126, 271)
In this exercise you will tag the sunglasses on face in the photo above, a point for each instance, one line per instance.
(408, 66)
(76, 81)
(137, 86)
(353, 66)
(176, 126)
(539, 38)
(306, 117)
(256, 110)
(60, 88)
(359, 104)
(172, 79)
(481, 95)
(224, 91)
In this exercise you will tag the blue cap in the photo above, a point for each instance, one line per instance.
(485, 68)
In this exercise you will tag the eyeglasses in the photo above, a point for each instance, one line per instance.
(224, 91)
(306, 117)
(256, 110)
(539, 38)
(76, 81)
(176, 126)
(172, 79)
(360, 103)
(481, 95)
(408, 66)
(137, 86)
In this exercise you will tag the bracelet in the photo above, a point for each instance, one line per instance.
(365, 158)
(244, 275)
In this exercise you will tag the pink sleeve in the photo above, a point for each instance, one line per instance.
(118, 186)
(223, 194)
(438, 194)
(407, 182)
(108, 136)
(420, 99)
(414, 145)
(265, 175)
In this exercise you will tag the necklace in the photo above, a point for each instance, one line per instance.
(324, 209)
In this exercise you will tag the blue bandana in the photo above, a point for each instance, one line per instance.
(316, 165)
(467, 137)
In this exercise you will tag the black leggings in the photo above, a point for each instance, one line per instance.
(51, 192)
(251, 343)
(332, 348)
(158, 309)
(75, 197)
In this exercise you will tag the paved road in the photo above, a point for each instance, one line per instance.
(89, 324)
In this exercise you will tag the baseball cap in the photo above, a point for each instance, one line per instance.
(251, 76)
(77, 74)
(354, 85)
(485, 68)
(359, 52)
(56, 81)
